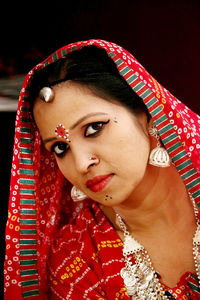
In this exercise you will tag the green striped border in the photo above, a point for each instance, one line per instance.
(30, 282)
(26, 161)
(27, 191)
(27, 181)
(30, 293)
(30, 262)
(28, 232)
(28, 252)
(27, 221)
(28, 241)
(26, 211)
(29, 272)
(26, 171)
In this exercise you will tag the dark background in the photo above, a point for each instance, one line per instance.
(163, 35)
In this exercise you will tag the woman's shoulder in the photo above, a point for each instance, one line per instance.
(81, 236)
(73, 258)
(87, 222)
(86, 254)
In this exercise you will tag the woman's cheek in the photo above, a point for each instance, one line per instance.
(62, 168)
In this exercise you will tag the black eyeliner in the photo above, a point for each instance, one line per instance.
(98, 132)
(56, 144)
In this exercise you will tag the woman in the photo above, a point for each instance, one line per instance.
(105, 183)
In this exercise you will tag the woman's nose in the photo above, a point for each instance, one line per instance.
(84, 161)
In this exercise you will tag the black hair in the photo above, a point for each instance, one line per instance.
(92, 67)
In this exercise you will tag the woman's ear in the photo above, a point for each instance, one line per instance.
(145, 121)
(150, 122)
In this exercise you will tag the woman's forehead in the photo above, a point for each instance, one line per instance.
(70, 105)
(72, 98)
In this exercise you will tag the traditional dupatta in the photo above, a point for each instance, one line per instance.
(40, 201)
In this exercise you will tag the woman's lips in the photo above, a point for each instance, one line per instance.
(98, 183)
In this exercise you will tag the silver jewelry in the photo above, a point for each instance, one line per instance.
(140, 279)
(159, 156)
(77, 195)
(92, 158)
(46, 94)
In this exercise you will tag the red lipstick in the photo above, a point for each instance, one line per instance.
(98, 183)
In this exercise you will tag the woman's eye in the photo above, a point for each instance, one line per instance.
(60, 148)
(94, 128)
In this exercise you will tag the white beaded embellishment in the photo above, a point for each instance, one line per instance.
(140, 279)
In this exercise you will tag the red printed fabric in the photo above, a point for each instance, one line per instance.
(88, 261)
(40, 203)
(186, 288)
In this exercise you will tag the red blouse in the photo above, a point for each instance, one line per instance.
(86, 259)
(185, 288)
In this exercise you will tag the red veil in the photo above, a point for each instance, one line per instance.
(39, 195)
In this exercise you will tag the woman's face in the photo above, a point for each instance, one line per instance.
(107, 149)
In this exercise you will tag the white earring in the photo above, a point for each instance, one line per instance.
(77, 195)
(159, 156)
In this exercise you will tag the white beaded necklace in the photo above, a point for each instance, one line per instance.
(140, 279)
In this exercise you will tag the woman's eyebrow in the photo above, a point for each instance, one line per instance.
(49, 140)
(85, 117)
(76, 124)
